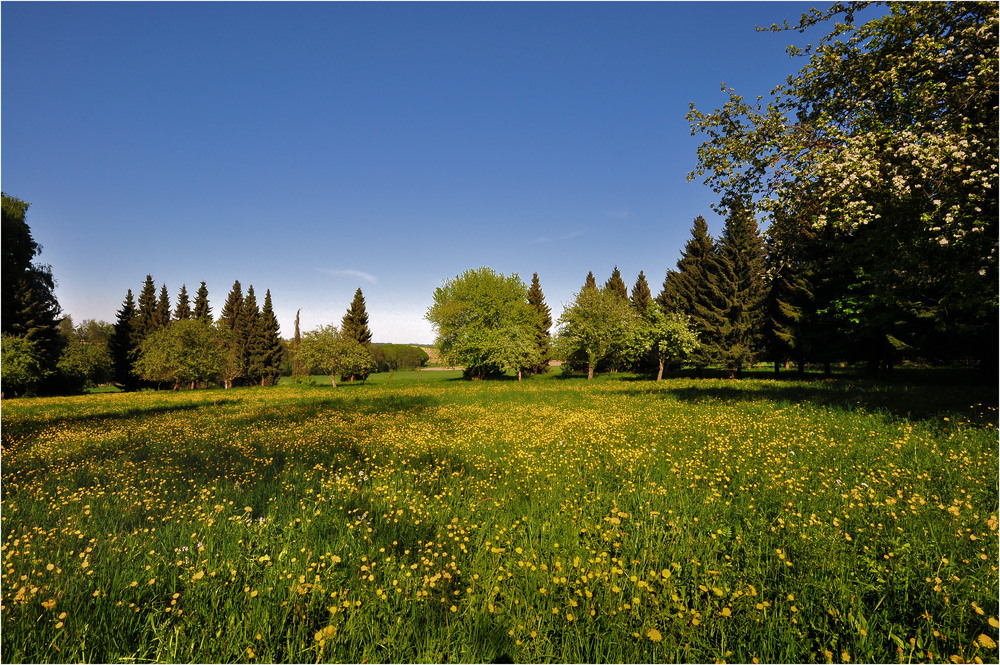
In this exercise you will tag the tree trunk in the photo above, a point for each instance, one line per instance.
(777, 368)
(333, 379)
(518, 374)
(659, 374)
(590, 372)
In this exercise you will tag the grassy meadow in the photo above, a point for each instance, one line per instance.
(422, 518)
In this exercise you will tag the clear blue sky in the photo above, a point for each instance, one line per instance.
(314, 148)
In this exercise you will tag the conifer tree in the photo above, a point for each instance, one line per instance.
(739, 285)
(543, 335)
(146, 312)
(354, 325)
(690, 291)
(270, 343)
(162, 314)
(249, 334)
(122, 345)
(202, 311)
(183, 309)
(591, 283)
(233, 305)
(296, 346)
(641, 295)
(616, 285)
(355, 322)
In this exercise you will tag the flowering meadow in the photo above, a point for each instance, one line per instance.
(614, 520)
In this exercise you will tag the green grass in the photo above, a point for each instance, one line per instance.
(416, 517)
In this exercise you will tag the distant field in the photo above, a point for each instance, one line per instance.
(420, 518)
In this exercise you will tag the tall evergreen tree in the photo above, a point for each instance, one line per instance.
(202, 311)
(641, 295)
(270, 343)
(543, 335)
(248, 332)
(162, 316)
(591, 283)
(739, 282)
(29, 306)
(355, 322)
(183, 309)
(122, 345)
(146, 312)
(297, 369)
(616, 285)
(354, 325)
(689, 291)
(233, 305)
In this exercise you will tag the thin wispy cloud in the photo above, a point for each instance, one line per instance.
(568, 236)
(368, 277)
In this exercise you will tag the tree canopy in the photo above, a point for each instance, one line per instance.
(484, 321)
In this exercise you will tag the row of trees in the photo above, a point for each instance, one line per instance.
(876, 168)
(153, 343)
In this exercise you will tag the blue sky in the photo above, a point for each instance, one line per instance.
(314, 148)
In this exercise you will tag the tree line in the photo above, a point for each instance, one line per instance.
(156, 344)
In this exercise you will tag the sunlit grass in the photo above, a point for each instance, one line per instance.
(549, 520)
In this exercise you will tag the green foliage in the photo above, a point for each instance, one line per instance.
(543, 335)
(183, 309)
(146, 317)
(187, 351)
(23, 368)
(329, 352)
(123, 347)
(738, 282)
(86, 358)
(666, 339)
(690, 290)
(355, 321)
(596, 324)
(354, 325)
(396, 357)
(616, 285)
(641, 295)
(202, 311)
(885, 145)
(27, 295)
(484, 322)
(270, 351)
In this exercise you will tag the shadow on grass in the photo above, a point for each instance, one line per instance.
(912, 401)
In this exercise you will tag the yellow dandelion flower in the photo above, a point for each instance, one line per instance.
(844, 656)
(726, 612)
(986, 641)
(454, 608)
(50, 567)
(654, 635)
(197, 576)
(993, 622)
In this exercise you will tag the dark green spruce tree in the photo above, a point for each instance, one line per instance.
(616, 285)
(249, 334)
(543, 334)
(183, 309)
(591, 283)
(271, 350)
(202, 311)
(689, 290)
(739, 286)
(162, 315)
(145, 312)
(233, 305)
(641, 295)
(122, 346)
(354, 325)
(297, 370)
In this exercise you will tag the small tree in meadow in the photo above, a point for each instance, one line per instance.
(328, 351)
(666, 339)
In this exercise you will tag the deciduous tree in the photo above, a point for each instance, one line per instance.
(484, 322)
